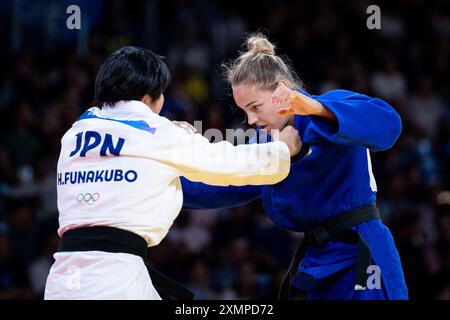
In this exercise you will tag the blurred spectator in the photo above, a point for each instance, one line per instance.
(39, 269)
(426, 108)
(389, 83)
(199, 280)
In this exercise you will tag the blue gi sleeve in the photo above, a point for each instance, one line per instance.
(197, 195)
(360, 120)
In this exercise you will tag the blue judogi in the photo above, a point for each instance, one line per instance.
(331, 175)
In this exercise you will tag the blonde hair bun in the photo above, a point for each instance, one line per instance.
(260, 65)
(259, 44)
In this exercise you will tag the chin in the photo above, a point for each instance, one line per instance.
(272, 131)
(269, 129)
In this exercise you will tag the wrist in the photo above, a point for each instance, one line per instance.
(313, 107)
(284, 145)
(324, 112)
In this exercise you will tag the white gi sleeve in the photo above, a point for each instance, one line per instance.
(221, 163)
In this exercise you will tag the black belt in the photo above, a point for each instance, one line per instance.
(109, 239)
(337, 229)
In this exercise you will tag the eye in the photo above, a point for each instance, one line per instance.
(256, 108)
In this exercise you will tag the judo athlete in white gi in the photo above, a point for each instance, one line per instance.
(118, 179)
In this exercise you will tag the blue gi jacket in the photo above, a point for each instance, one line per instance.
(335, 176)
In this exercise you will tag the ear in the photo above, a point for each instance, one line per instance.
(285, 82)
(147, 100)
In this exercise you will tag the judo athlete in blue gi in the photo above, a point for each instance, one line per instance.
(330, 192)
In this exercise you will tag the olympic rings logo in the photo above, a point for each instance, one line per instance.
(87, 198)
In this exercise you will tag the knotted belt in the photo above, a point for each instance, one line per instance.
(115, 240)
(337, 229)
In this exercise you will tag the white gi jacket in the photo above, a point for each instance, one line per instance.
(120, 166)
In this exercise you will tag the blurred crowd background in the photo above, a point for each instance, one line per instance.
(46, 81)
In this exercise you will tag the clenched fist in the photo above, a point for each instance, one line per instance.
(290, 136)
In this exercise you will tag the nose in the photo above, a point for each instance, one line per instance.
(251, 119)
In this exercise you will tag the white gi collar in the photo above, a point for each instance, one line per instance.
(128, 106)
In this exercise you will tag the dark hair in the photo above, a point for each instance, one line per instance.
(129, 74)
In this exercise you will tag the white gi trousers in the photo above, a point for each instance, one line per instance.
(98, 275)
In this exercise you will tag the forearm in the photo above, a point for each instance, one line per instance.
(360, 120)
(222, 164)
(316, 108)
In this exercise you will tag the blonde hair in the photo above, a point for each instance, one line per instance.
(260, 65)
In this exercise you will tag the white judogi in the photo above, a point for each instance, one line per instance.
(120, 167)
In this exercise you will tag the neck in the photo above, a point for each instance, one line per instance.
(290, 121)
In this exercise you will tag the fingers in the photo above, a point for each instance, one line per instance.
(281, 95)
(285, 111)
(290, 136)
(279, 100)
(186, 126)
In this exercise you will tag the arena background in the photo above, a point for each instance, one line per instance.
(46, 82)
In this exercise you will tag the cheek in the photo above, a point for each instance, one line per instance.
(278, 122)
(268, 115)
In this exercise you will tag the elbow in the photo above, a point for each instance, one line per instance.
(397, 127)
(392, 131)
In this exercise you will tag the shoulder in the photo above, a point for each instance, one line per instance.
(338, 94)
(333, 94)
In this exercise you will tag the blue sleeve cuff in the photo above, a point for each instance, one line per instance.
(324, 127)
(360, 120)
(304, 152)
(333, 131)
